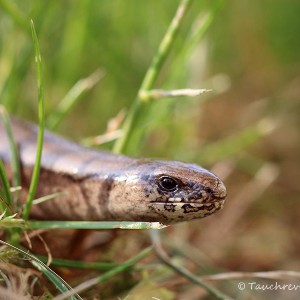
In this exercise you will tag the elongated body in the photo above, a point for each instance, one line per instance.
(99, 185)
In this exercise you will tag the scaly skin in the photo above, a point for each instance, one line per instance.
(98, 185)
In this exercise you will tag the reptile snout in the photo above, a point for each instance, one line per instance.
(220, 192)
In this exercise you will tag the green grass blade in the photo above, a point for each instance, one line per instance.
(197, 32)
(36, 170)
(93, 225)
(202, 29)
(6, 191)
(121, 145)
(15, 163)
(121, 268)
(58, 282)
(67, 263)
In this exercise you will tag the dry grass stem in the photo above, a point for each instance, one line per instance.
(157, 94)
(280, 274)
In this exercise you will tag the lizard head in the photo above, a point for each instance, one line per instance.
(168, 192)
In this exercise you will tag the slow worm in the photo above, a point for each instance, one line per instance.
(99, 185)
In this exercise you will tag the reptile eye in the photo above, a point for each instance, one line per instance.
(168, 184)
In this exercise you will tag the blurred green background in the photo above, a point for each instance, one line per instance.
(246, 130)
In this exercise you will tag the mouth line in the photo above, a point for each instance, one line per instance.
(198, 204)
(220, 198)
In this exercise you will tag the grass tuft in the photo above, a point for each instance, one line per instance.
(58, 282)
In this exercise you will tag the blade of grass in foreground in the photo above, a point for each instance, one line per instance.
(59, 283)
(40, 140)
(90, 283)
(93, 225)
(67, 263)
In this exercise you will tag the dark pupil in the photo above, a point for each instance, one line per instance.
(168, 183)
